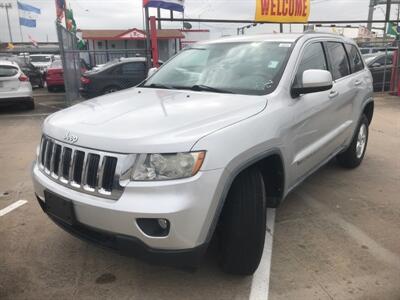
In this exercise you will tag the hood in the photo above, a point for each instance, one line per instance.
(144, 120)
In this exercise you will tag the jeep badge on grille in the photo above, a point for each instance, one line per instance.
(70, 138)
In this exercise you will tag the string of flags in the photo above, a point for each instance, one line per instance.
(63, 12)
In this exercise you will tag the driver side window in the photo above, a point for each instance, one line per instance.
(313, 58)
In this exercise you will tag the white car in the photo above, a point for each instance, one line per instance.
(42, 61)
(219, 133)
(14, 85)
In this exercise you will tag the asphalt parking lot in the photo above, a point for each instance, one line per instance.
(335, 237)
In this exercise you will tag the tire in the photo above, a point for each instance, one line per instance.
(110, 89)
(51, 89)
(243, 224)
(30, 105)
(354, 155)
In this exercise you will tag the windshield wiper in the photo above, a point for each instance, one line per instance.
(202, 87)
(158, 86)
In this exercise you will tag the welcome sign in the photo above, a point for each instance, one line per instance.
(283, 11)
(175, 5)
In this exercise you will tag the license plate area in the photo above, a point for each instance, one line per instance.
(60, 208)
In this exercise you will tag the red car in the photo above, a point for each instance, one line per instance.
(55, 76)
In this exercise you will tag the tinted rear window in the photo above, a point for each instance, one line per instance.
(8, 71)
(339, 61)
(355, 58)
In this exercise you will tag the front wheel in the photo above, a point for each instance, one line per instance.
(243, 224)
(354, 155)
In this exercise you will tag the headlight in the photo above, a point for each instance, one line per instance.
(167, 166)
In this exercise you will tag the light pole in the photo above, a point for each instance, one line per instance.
(7, 6)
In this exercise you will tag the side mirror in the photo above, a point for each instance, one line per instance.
(313, 81)
(376, 65)
(151, 72)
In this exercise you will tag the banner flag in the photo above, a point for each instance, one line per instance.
(283, 11)
(27, 7)
(60, 9)
(33, 41)
(175, 5)
(27, 22)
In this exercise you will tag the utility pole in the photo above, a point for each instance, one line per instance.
(372, 4)
(387, 18)
(148, 46)
(158, 17)
(7, 6)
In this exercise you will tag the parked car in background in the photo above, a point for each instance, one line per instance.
(34, 74)
(42, 61)
(55, 76)
(116, 75)
(372, 50)
(222, 131)
(380, 64)
(15, 87)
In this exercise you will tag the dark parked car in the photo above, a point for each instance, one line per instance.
(34, 74)
(114, 76)
(376, 63)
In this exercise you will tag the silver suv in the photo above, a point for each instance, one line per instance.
(203, 146)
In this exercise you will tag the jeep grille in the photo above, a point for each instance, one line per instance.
(86, 170)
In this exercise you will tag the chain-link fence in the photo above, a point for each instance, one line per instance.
(75, 62)
(71, 63)
(382, 59)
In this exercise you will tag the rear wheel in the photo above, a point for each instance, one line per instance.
(354, 155)
(243, 224)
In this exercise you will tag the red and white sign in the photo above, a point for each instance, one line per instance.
(133, 34)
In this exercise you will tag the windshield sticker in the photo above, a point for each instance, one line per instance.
(285, 45)
(273, 64)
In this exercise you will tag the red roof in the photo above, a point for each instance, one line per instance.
(130, 34)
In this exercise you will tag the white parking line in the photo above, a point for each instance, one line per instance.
(11, 207)
(260, 284)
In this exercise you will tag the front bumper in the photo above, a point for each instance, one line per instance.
(188, 204)
(132, 246)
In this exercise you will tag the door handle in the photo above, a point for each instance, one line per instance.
(357, 82)
(333, 94)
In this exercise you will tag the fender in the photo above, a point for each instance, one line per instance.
(365, 103)
(227, 179)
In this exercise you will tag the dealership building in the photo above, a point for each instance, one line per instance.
(107, 44)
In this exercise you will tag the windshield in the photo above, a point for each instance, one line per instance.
(369, 57)
(252, 68)
(40, 58)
